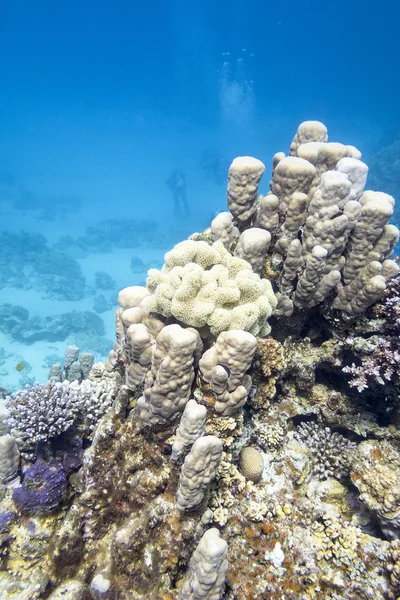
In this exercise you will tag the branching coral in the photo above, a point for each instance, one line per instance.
(43, 411)
(39, 413)
(388, 308)
(378, 355)
(337, 542)
(328, 451)
(381, 363)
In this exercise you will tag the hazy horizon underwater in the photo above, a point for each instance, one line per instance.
(199, 300)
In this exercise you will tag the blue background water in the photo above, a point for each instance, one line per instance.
(101, 101)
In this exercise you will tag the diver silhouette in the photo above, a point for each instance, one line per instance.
(177, 184)
(215, 166)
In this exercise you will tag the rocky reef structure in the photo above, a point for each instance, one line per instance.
(221, 452)
(74, 368)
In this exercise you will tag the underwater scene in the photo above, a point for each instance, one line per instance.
(199, 300)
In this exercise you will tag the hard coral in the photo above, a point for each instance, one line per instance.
(38, 413)
(202, 285)
(388, 308)
(328, 451)
(375, 471)
(380, 361)
(251, 463)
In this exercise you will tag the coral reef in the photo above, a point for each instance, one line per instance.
(114, 233)
(27, 261)
(15, 321)
(104, 281)
(74, 367)
(44, 411)
(42, 489)
(220, 451)
(329, 453)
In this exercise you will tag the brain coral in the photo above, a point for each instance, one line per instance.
(202, 285)
(251, 463)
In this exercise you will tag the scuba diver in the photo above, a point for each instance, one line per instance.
(177, 185)
(215, 166)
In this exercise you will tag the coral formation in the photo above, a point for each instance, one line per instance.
(15, 322)
(44, 411)
(375, 471)
(168, 382)
(251, 463)
(198, 470)
(220, 451)
(329, 452)
(224, 367)
(42, 489)
(191, 427)
(41, 412)
(27, 260)
(74, 368)
(208, 566)
(244, 176)
(202, 285)
(9, 458)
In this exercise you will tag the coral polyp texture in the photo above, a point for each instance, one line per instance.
(242, 439)
(203, 285)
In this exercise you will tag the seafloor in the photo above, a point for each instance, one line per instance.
(280, 478)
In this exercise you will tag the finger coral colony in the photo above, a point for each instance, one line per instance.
(241, 441)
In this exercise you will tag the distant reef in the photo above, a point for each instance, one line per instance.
(26, 262)
(114, 233)
(15, 321)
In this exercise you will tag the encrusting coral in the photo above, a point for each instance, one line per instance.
(220, 453)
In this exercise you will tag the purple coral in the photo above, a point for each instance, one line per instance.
(42, 489)
(6, 520)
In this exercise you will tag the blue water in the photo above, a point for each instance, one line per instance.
(101, 101)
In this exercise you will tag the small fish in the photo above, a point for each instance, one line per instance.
(20, 366)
